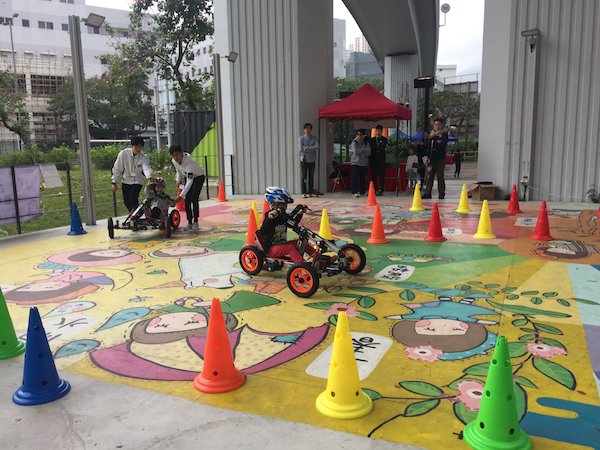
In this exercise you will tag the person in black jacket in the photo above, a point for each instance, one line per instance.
(377, 160)
(437, 143)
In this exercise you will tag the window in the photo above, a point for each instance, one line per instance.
(45, 86)
(211, 69)
(45, 25)
(25, 22)
(65, 27)
(204, 50)
(96, 30)
(66, 1)
(103, 61)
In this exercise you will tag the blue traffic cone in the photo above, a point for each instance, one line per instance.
(41, 383)
(76, 226)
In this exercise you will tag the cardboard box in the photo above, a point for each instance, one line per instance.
(484, 190)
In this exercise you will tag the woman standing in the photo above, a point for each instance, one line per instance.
(360, 150)
(308, 145)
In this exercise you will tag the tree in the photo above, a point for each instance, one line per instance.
(118, 106)
(351, 85)
(12, 107)
(456, 108)
(162, 36)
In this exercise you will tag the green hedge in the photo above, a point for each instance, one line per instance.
(104, 157)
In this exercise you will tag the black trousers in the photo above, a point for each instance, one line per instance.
(131, 194)
(308, 173)
(378, 175)
(358, 180)
(457, 168)
(437, 170)
(192, 209)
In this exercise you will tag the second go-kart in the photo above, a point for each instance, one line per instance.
(141, 219)
(303, 277)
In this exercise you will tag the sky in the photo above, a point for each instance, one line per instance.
(460, 40)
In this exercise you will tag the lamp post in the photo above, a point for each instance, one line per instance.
(14, 60)
(81, 112)
(425, 83)
(219, 109)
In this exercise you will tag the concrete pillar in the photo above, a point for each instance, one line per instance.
(283, 74)
(399, 73)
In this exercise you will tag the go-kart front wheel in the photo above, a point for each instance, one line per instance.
(175, 219)
(355, 258)
(303, 279)
(251, 260)
(111, 228)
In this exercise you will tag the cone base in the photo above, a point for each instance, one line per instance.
(372, 240)
(484, 236)
(360, 408)
(76, 233)
(541, 237)
(416, 209)
(28, 398)
(435, 238)
(12, 352)
(513, 211)
(371, 204)
(463, 210)
(219, 386)
(473, 436)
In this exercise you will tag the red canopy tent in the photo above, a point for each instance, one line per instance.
(365, 104)
(368, 105)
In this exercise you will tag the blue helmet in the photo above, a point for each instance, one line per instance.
(276, 194)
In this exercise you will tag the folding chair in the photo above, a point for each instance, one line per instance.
(337, 178)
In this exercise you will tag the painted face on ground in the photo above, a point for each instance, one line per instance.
(47, 285)
(110, 253)
(441, 327)
(181, 321)
(181, 251)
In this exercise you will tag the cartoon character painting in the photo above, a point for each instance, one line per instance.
(93, 258)
(444, 330)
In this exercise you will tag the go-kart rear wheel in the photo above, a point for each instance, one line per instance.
(111, 228)
(355, 257)
(251, 259)
(175, 218)
(303, 279)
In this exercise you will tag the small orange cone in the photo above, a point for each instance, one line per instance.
(219, 373)
(252, 227)
(180, 206)
(435, 226)
(377, 233)
(542, 227)
(513, 204)
(221, 196)
(266, 209)
(371, 201)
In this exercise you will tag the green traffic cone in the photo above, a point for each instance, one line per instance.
(496, 426)
(9, 344)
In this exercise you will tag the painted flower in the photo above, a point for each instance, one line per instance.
(545, 351)
(423, 352)
(469, 393)
(337, 308)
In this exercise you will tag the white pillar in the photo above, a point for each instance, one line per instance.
(399, 74)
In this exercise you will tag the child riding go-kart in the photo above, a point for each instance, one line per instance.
(152, 214)
(273, 252)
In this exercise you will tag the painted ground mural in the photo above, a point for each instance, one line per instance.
(424, 317)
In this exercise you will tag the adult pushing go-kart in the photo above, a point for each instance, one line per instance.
(153, 213)
(307, 258)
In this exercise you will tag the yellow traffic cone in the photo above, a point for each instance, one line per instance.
(484, 229)
(343, 398)
(463, 204)
(417, 204)
(325, 229)
(255, 209)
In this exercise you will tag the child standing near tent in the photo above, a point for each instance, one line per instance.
(412, 163)
(458, 157)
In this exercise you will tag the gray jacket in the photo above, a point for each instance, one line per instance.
(307, 148)
(360, 153)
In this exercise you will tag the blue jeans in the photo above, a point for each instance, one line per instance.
(359, 174)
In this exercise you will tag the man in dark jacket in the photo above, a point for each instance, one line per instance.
(377, 160)
(437, 143)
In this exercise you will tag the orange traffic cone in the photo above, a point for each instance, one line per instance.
(221, 196)
(435, 226)
(371, 201)
(377, 233)
(180, 206)
(542, 227)
(252, 227)
(266, 209)
(218, 374)
(513, 204)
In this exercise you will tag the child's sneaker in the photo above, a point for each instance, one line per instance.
(356, 195)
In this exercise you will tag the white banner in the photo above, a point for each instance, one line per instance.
(28, 192)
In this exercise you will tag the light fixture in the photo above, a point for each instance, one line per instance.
(232, 56)
(94, 20)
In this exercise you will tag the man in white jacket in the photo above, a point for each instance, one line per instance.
(132, 167)
(190, 176)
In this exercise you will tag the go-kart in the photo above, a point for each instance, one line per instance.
(140, 219)
(303, 277)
